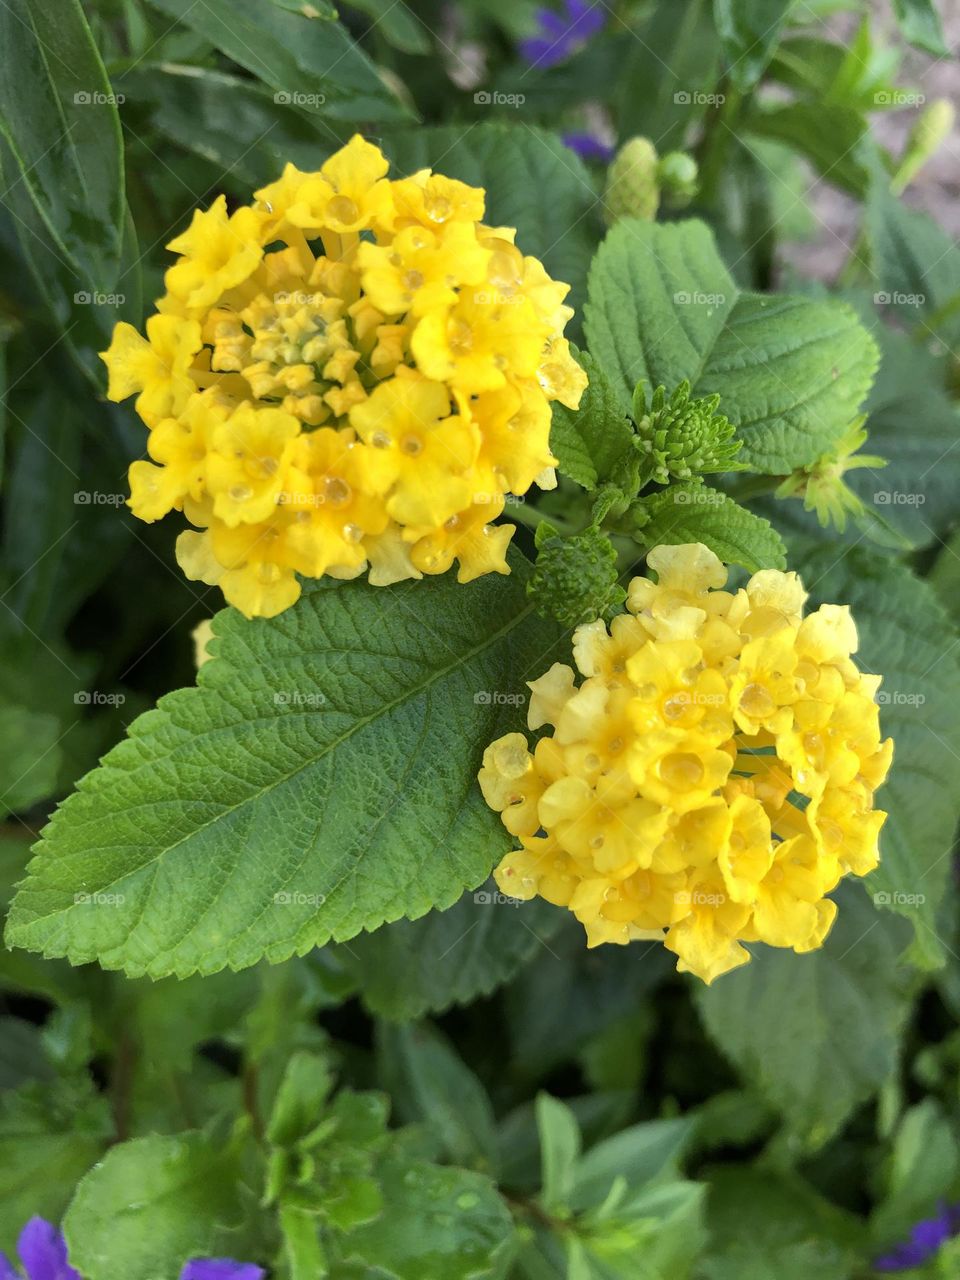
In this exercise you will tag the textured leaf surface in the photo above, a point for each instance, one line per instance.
(792, 373)
(818, 1034)
(61, 123)
(697, 513)
(320, 780)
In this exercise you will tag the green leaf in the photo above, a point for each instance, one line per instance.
(791, 373)
(920, 23)
(915, 265)
(246, 133)
(559, 1152)
(437, 1224)
(749, 30)
(664, 73)
(29, 758)
(208, 839)
(413, 967)
(150, 1205)
(50, 1135)
(431, 1084)
(59, 118)
(312, 60)
(838, 153)
(641, 1154)
(922, 1172)
(697, 513)
(301, 1099)
(905, 637)
(916, 491)
(765, 1223)
(817, 1034)
(592, 443)
(301, 1242)
(398, 24)
(516, 165)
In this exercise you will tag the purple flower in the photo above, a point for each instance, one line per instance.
(43, 1252)
(589, 146)
(560, 35)
(925, 1241)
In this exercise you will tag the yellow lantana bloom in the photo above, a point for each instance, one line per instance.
(349, 375)
(709, 780)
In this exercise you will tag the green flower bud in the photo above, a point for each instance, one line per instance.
(632, 189)
(575, 579)
(684, 437)
(679, 177)
(927, 136)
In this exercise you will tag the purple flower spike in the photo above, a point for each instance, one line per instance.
(219, 1269)
(560, 35)
(925, 1241)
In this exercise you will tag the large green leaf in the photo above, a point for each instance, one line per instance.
(152, 1204)
(791, 372)
(817, 1034)
(517, 165)
(59, 118)
(319, 781)
(305, 55)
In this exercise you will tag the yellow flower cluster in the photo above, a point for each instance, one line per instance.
(710, 779)
(351, 373)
